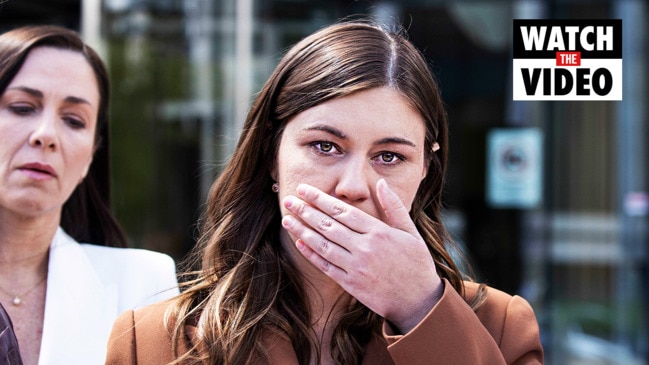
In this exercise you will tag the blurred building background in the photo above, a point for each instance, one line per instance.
(572, 239)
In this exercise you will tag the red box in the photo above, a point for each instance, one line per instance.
(568, 58)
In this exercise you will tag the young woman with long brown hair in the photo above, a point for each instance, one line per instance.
(322, 241)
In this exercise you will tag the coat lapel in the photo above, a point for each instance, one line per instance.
(79, 307)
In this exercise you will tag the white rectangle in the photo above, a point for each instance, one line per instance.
(597, 70)
(514, 168)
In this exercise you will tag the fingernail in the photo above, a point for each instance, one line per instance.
(381, 184)
(299, 244)
(288, 221)
(301, 190)
(289, 201)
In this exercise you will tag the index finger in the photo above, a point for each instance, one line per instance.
(352, 217)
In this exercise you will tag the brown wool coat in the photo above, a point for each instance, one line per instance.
(504, 330)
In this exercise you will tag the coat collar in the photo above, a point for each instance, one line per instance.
(281, 351)
(78, 306)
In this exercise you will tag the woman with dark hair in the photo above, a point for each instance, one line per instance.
(322, 240)
(63, 296)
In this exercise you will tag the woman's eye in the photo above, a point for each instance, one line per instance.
(390, 158)
(21, 109)
(75, 123)
(325, 147)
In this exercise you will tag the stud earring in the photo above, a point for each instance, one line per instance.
(275, 187)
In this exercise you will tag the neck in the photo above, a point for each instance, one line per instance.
(320, 288)
(327, 303)
(24, 244)
(326, 313)
(327, 300)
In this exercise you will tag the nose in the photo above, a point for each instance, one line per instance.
(45, 134)
(355, 181)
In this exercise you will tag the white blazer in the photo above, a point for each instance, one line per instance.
(88, 286)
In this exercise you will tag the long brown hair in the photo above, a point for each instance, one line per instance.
(244, 285)
(86, 215)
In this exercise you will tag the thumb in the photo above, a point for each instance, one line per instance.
(396, 213)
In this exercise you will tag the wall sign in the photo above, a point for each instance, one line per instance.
(514, 168)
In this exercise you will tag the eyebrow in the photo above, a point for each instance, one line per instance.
(328, 129)
(341, 135)
(39, 94)
(397, 140)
